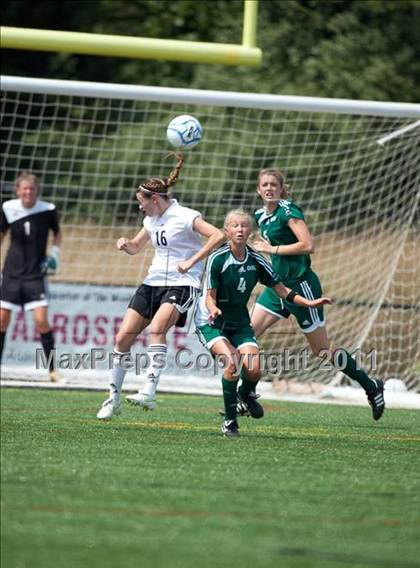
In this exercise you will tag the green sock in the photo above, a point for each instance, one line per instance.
(246, 386)
(229, 398)
(350, 369)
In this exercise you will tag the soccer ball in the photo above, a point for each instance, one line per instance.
(395, 385)
(184, 132)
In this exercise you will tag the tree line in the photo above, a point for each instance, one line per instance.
(361, 49)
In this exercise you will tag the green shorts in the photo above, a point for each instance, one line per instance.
(209, 334)
(309, 319)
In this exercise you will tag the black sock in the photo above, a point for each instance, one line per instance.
(47, 341)
(2, 338)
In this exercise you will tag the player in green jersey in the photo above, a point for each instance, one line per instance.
(287, 239)
(222, 318)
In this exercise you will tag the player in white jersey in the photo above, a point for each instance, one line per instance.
(169, 289)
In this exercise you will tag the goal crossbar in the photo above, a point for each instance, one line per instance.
(208, 97)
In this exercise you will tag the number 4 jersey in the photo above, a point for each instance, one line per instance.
(174, 240)
(234, 280)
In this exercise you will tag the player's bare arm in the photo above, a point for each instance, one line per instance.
(57, 239)
(304, 244)
(215, 238)
(134, 245)
(291, 296)
(211, 304)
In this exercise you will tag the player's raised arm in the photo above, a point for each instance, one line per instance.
(304, 241)
(215, 238)
(134, 245)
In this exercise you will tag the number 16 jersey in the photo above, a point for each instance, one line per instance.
(174, 240)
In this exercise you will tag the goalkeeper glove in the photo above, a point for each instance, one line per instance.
(51, 265)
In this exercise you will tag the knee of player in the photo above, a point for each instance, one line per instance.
(156, 333)
(124, 340)
(42, 326)
(253, 375)
(4, 320)
(231, 369)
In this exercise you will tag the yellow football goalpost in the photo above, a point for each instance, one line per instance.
(142, 48)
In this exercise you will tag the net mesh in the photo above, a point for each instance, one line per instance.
(360, 200)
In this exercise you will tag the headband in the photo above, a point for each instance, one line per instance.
(146, 190)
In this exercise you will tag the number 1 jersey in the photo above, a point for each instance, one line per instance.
(29, 228)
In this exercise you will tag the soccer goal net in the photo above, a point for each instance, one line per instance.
(352, 166)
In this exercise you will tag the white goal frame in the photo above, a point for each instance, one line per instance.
(262, 102)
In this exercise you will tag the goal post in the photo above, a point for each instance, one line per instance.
(246, 54)
(353, 166)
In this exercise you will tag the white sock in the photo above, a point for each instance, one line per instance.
(118, 372)
(157, 356)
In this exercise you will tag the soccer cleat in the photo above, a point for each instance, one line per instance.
(111, 407)
(376, 399)
(230, 428)
(146, 401)
(248, 406)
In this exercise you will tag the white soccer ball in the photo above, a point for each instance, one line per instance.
(184, 132)
(395, 385)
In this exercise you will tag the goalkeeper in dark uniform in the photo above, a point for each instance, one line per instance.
(24, 282)
(222, 318)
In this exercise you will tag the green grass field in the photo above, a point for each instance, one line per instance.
(308, 486)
